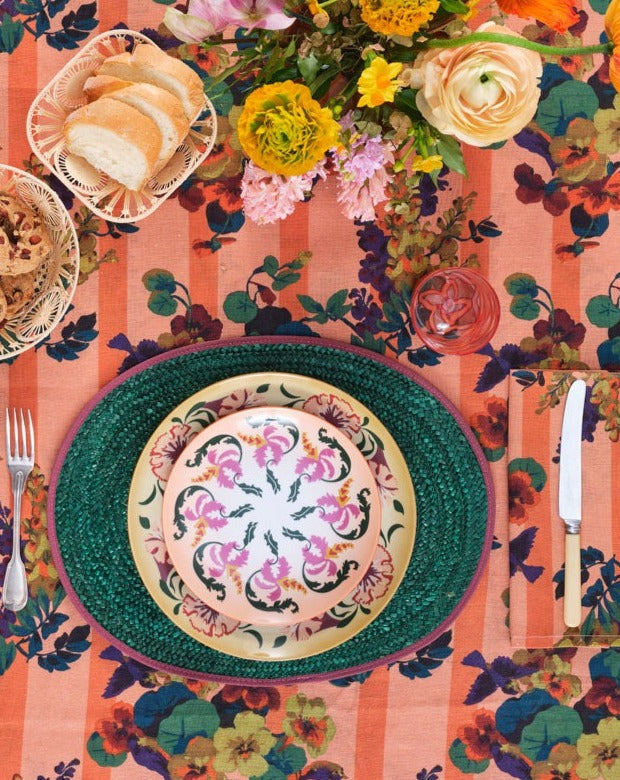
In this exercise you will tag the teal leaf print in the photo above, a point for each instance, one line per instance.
(602, 312)
(75, 338)
(162, 303)
(11, 34)
(549, 728)
(525, 307)
(531, 467)
(608, 354)
(287, 760)
(158, 279)
(239, 307)
(99, 755)
(193, 718)
(461, 761)
(521, 284)
(7, 655)
(565, 102)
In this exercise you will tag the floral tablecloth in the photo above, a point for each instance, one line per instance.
(539, 217)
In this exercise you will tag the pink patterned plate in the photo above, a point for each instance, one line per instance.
(271, 515)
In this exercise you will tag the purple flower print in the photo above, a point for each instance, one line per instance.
(273, 578)
(321, 560)
(167, 449)
(218, 560)
(317, 464)
(341, 513)
(271, 444)
(223, 466)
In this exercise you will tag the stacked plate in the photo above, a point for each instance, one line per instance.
(271, 516)
(245, 511)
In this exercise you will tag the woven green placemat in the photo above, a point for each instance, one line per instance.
(92, 475)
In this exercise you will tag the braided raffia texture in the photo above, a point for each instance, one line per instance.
(93, 485)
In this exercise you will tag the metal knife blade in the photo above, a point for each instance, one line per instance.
(570, 457)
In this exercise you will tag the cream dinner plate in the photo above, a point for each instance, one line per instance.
(291, 640)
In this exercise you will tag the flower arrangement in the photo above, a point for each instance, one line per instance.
(379, 93)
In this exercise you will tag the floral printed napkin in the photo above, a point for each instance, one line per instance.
(536, 532)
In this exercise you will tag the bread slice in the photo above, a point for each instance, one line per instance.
(97, 86)
(164, 109)
(115, 138)
(153, 66)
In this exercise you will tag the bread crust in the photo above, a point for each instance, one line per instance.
(121, 119)
(148, 58)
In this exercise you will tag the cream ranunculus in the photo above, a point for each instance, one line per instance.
(482, 92)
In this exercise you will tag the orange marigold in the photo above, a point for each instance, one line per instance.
(557, 14)
(612, 28)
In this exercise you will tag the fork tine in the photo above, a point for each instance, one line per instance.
(8, 434)
(31, 455)
(15, 434)
(24, 442)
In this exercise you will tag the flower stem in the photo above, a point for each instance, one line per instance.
(515, 40)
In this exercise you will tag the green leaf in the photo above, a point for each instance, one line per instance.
(399, 507)
(549, 727)
(566, 101)
(284, 279)
(193, 718)
(404, 101)
(525, 307)
(310, 305)
(450, 150)
(494, 455)
(145, 522)
(99, 755)
(308, 67)
(336, 307)
(7, 655)
(162, 303)
(454, 6)
(369, 342)
(600, 6)
(531, 467)
(273, 773)
(521, 284)
(159, 279)
(239, 307)
(463, 762)
(271, 265)
(602, 311)
(11, 34)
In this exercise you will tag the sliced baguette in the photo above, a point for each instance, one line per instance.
(164, 109)
(97, 86)
(115, 138)
(153, 66)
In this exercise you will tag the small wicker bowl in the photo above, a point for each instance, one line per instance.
(105, 197)
(56, 277)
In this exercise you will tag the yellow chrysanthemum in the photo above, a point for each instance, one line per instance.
(283, 130)
(397, 17)
(379, 82)
(433, 162)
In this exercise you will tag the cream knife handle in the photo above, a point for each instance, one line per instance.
(572, 580)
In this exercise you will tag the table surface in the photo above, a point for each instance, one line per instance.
(523, 210)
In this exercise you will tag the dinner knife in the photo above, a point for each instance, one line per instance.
(570, 499)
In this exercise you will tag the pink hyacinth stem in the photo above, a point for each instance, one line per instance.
(514, 40)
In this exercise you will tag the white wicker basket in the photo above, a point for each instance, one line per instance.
(56, 278)
(104, 196)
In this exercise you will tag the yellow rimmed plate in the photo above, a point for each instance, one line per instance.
(297, 640)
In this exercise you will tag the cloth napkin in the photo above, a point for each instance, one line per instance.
(536, 532)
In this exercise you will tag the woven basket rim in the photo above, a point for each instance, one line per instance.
(223, 344)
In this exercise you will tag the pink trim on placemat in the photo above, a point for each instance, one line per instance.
(288, 340)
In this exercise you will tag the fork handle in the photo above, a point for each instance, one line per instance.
(15, 588)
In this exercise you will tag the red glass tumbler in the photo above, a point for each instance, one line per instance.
(455, 311)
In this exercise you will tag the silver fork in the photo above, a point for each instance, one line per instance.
(20, 461)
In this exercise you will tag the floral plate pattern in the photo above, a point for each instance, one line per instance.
(271, 515)
(295, 640)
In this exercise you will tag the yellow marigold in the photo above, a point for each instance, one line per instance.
(313, 7)
(379, 82)
(433, 162)
(397, 17)
(612, 28)
(283, 130)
